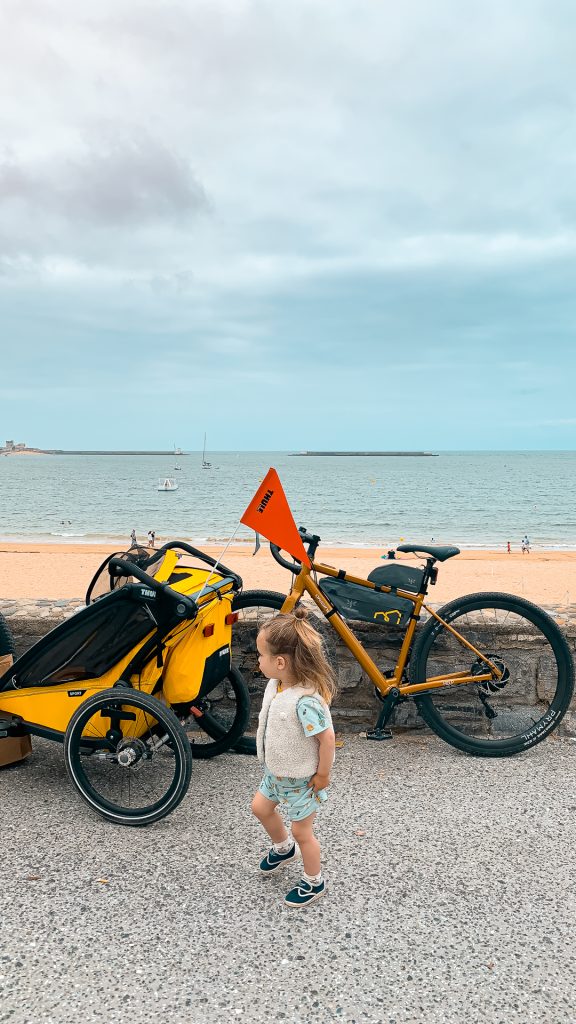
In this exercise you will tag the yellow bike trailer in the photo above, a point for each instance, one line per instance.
(136, 681)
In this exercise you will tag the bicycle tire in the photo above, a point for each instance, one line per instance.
(271, 601)
(89, 756)
(461, 715)
(223, 733)
(261, 601)
(260, 604)
(6, 638)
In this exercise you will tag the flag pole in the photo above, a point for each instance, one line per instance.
(218, 560)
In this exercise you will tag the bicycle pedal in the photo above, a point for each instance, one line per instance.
(379, 734)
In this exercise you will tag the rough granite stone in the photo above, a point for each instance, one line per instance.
(356, 705)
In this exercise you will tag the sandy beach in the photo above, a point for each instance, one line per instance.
(34, 570)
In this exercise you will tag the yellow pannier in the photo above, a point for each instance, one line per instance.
(197, 654)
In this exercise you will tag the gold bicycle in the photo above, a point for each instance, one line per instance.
(491, 673)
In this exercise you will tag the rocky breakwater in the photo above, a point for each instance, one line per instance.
(356, 705)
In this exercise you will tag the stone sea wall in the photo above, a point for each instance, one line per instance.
(356, 706)
(29, 621)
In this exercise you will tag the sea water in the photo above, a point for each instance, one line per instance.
(473, 499)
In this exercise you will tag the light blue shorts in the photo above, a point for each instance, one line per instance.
(297, 796)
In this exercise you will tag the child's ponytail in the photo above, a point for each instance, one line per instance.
(292, 635)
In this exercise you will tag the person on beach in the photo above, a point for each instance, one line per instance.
(133, 539)
(525, 545)
(296, 744)
(151, 538)
(508, 547)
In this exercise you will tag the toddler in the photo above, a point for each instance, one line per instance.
(295, 742)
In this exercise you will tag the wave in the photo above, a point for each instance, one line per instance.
(120, 542)
(64, 533)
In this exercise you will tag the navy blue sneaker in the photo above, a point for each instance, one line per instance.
(304, 893)
(274, 860)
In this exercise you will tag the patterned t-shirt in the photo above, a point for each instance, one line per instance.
(313, 716)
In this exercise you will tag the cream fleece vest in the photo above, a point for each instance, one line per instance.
(280, 741)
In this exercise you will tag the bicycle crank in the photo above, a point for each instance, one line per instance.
(388, 704)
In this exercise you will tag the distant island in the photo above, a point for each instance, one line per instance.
(19, 448)
(10, 448)
(428, 455)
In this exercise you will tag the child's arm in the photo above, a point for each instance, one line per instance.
(327, 744)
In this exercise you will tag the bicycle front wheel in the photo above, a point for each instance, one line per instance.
(257, 607)
(6, 638)
(520, 704)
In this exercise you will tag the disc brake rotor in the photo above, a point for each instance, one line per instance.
(479, 668)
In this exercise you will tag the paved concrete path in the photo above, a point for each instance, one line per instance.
(451, 897)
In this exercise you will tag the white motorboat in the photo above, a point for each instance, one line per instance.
(167, 483)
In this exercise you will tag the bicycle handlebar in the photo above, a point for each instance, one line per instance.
(311, 539)
(291, 566)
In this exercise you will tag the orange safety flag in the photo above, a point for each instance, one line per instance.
(269, 514)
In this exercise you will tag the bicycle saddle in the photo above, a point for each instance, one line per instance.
(440, 553)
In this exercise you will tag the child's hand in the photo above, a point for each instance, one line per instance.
(319, 782)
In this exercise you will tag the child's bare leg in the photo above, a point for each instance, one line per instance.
(268, 816)
(309, 845)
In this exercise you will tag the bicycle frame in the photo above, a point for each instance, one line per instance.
(304, 583)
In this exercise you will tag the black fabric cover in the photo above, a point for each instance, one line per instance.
(87, 645)
(402, 577)
(216, 668)
(356, 602)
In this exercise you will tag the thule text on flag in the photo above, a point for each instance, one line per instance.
(269, 514)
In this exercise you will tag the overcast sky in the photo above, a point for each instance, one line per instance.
(315, 224)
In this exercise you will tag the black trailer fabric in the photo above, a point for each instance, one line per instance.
(87, 645)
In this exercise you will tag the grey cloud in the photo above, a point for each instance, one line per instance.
(393, 191)
(333, 138)
(134, 181)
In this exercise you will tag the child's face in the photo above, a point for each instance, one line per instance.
(271, 665)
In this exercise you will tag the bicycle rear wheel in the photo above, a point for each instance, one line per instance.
(500, 716)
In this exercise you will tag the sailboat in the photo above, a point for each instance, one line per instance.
(177, 451)
(205, 465)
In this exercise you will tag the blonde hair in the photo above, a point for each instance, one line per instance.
(293, 637)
